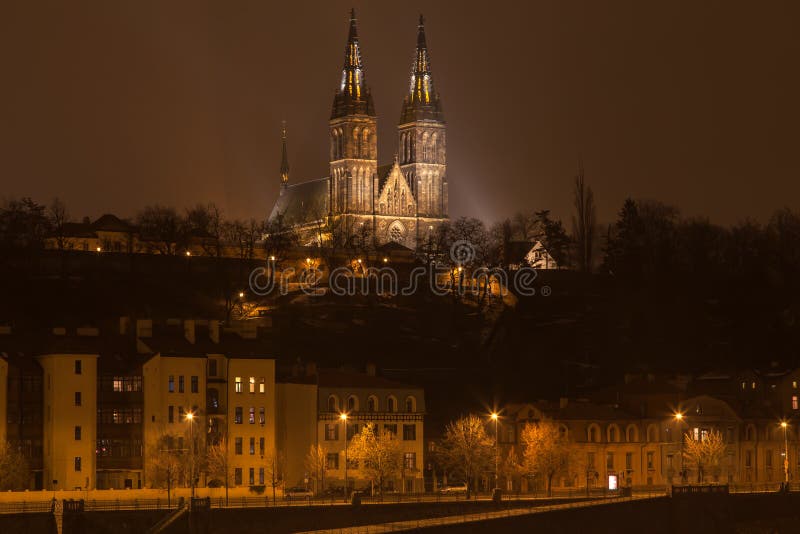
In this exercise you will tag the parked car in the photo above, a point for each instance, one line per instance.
(298, 493)
(454, 490)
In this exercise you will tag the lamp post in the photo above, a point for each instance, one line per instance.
(495, 417)
(679, 420)
(785, 426)
(343, 417)
(190, 418)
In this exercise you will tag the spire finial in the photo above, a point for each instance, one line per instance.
(421, 20)
(284, 157)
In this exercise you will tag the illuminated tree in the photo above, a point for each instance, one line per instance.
(14, 472)
(316, 464)
(378, 454)
(467, 450)
(705, 453)
(218, 469)
(546, 452)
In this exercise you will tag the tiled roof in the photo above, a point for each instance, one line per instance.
(303, 202)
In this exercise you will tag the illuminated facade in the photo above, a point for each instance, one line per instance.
(359, 201)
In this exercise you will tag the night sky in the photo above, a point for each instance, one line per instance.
(112, 105)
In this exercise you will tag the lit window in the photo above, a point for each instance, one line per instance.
(238, 388)
(794, 402)
(262, 385)
(794, 384)
(252, 415)
(753, 385)
(252, 384)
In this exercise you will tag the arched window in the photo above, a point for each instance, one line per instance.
(613, 434)
(352, 404)
(365, 144)
(593, 434)
(391, 404)
(563, 431)
(750, 433)
(652, 434)
(632, 434)
(333, 404)
(411, 404)
(356, 142)
(434, 155)
(372, 404)
(425, 149)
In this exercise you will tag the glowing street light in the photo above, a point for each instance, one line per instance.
(99, 249)
(679, 419)
(190, 419)
(241, 294)
(494, 416)
(188, 253)
(785, 427)
(343, 417)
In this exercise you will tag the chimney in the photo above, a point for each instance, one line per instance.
(124, 325)
(311, 369)
(189, 330)
(563, 402)
(213, 330)
(371, 369)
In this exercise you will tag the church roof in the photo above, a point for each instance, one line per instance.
(302, 203)
(422, 101)
(352, 96)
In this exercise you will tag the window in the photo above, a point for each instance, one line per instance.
(252, 475)
(332, 404)
(629, 460)
(262, 385)
(252, 446)
(181, 414)
(410, 460)
(78, 367)
(332, 460)
(669, 460)
(391, 404)
(171, 414)
(351, 404)
(391, 428)
(610, 461)
(237, 418)
(744, 386)
(261, 444)
(590, 463)
(352, 430)
(252, 418)
(592, 434)
(410, 405)
(77, 433)
(171, 384)
(237, 447)
(409, 432)
(237, 476)
(252, 384)
(77, 463)
(794, 384)
(794, 402)
(613, 434)
(331, 431)
(262, 417)
(212, 367)
(238, 384)
(372, 404)
(180, 384)
(194, 385)
(261, 476)
(77, 398)
(768, 458)
(650, 460)
(213, 398)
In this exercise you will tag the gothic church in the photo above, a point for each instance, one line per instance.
(401, 202)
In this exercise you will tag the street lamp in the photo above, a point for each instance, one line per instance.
(495, 417)
(343, 417)
(679, 420)
(785, 426)
(190, 418)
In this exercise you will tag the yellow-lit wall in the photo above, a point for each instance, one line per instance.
(61, 416)
(296, 429)
(3, 398)
(245, 368)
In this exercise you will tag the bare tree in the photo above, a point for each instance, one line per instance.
(275, 469)
(204, 222)
(58, 217)
(378, 454)
(14, 470)
(217, 464)
(316, 464)
(546, 451)
(583, 222)
(467, 449)
(704, 453)
(164, 465)
(162, 228)
(279, 238)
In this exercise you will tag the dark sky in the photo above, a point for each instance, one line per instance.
(112, 105)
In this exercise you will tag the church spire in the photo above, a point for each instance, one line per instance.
(352, 96)
(422, 100)
(284, 158)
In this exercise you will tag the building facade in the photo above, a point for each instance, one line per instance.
(401, 202)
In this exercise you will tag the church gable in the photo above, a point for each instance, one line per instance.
(395, 196)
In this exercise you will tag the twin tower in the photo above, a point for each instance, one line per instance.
(401, 202)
